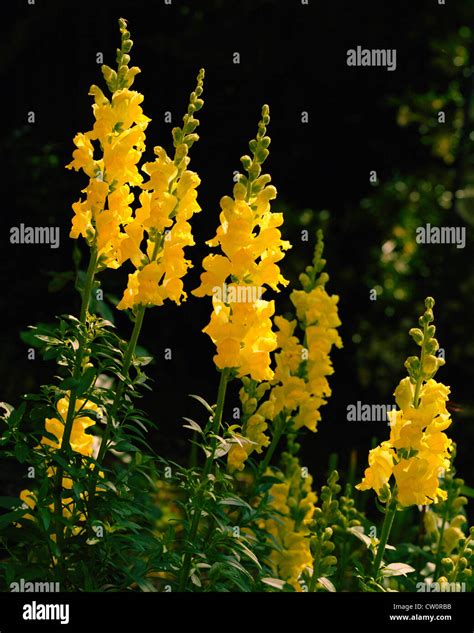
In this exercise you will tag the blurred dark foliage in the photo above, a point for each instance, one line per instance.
(293, 57)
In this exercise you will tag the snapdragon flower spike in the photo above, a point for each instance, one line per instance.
(109, 155)
(81, 441)
(161, 222)
(418, 451)
(291, 508)
(299, 387)
(251, 245)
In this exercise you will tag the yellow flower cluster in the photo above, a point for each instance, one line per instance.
(253, 437)
(251, 243)
(69, 508)
(299, 386)
(119, 133)
(453, 532)
(377, 475)
(418, 451)
(300, 383)
(154, 235)
(80, 441)
(292, 503)
(167, 203)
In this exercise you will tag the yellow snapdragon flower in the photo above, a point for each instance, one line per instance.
(119, 134)
(418, 451)
(381, 461)
(292, 503)
(418, 431)
(69, 509)
(299, 386)
(251, 246)
(167, 203)
(80, 441)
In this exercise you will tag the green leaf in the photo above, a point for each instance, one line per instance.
(249, 553)
(51, 353)
(142, 352)
(10, 517)
(69, 383)
(56, 457)
(9, 502)
(222, 570)
(235, 501)
(358, 531)
(123, 446)
(33, 335)
(16, 416)
(276, 583)
(103, 309)
(327, 584)
(21, 452)
(205, 404)
(48, 339)
(234, 563)
(192, 425)
(146, 585)
(266, 482)
(45, 517)
(86, 380)
(397, 569)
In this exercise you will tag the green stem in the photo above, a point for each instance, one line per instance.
(419, 382)
(193, 453)
(206, 472)
(65, 443)
(280, 427)
(386, 528)
(86, 296)
(127, 361)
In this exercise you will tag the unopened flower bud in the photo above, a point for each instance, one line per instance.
(329, 561)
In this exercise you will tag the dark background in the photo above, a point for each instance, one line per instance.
(293, 57)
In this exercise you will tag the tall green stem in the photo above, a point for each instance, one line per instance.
(386, 528)
(280, 427)
(86, 295)
(127, 361)
(419, 382)
(65, 443)
(216, 423)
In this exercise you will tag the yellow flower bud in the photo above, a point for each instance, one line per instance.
(430, 520)
(250, 406)
(430, 364)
